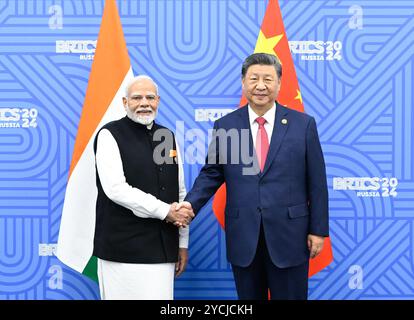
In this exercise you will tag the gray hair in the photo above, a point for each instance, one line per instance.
(136, 79)
(263, 59)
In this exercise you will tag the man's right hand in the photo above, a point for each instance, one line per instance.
(180, 214)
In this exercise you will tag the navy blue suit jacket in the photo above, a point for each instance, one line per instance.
(289, 197)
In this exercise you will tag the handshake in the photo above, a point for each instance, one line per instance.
(180, 214)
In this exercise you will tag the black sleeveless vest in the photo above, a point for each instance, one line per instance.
(119, 234)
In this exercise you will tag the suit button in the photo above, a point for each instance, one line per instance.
(160, 169)
(259, 209)
(163, 188)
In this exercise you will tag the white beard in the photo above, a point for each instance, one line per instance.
(145, 120)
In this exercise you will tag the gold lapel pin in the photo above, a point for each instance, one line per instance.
(284, 121)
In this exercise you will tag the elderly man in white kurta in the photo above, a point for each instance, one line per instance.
(141, 239)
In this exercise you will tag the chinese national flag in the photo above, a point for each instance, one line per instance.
(272, 39)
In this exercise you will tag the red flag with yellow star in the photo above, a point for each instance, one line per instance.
(272, 39)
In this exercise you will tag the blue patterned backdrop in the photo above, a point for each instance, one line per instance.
(354, 61)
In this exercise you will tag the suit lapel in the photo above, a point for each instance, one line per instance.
(245, 124)
(279, 131)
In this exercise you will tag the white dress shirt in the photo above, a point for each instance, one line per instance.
(269, 116)
(113, 181)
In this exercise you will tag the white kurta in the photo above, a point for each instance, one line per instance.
(131, 280)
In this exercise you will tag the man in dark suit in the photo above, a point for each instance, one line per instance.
(276, 213)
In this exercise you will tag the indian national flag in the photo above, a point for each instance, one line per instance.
(272, 39)
(111, 71)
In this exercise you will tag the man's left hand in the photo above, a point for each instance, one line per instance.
(182, 261)
(315, 245)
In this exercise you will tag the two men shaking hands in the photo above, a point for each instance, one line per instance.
(180, 214)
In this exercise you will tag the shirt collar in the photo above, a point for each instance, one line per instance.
(269, 115)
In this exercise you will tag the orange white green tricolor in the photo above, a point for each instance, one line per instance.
(110, 72)
(272, 39)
